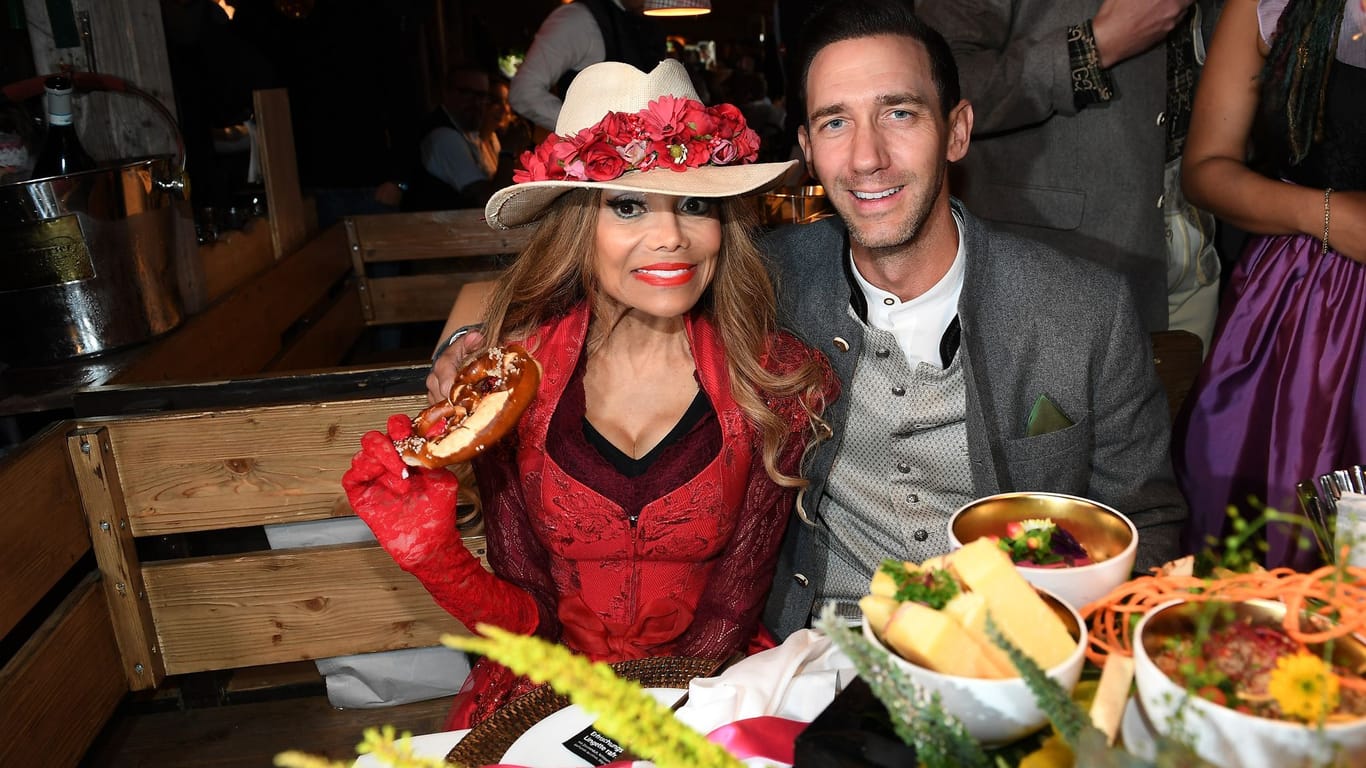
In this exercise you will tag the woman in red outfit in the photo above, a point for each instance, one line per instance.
(638, 507)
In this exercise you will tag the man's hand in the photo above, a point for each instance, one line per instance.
(389, 194)
(1126, 28)
(444, 368)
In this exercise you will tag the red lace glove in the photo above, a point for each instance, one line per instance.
(412, 513)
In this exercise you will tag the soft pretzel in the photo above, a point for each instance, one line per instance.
(487, 398)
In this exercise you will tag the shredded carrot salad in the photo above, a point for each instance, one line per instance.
(1337, 595)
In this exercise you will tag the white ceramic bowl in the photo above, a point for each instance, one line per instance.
(1226, 737)
(996, 712)
(1108, 536)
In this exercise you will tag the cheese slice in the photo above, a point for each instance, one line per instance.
(969, 609)
(934, 640)
(878, 610)
(884, 584)
(1019, 612)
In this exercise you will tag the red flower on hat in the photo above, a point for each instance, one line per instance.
(671, 132)
(601, 161)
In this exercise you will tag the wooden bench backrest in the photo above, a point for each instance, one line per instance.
(101, 484)
(442, 251)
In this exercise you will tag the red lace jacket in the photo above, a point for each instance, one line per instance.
(687, 578)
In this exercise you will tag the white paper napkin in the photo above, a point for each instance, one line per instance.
(796, 680)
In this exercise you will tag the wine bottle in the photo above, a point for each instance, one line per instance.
(62, 152)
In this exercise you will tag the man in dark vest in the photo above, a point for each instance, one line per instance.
(574, 36)
(459, 149)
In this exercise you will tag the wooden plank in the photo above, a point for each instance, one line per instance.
(261, 465)
(434, 235)
(97, 475)
(235, 257)
(275, 137)
(288, 605)
(42, 526)
(324, 341)
(358, 267)
(420, 298)
(242, 333)
(249, 735)
(62, 685)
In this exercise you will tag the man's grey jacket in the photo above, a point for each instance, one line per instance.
(1033, 322)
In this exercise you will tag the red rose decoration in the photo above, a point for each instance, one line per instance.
(671, 132)
(602, 161)
(728, 119)
(746, 145)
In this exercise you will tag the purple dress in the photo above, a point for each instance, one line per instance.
(1282, 395)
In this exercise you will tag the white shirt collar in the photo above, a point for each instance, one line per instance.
(918, 324)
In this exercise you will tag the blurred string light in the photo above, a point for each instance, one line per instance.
(228, 9)
(677, 7)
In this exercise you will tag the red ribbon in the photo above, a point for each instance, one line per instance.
(768, 737)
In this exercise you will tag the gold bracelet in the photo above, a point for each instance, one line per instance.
(1327, 194)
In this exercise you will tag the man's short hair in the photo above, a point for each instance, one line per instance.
(839, 20)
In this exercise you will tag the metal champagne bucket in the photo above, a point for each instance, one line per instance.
(87, 259)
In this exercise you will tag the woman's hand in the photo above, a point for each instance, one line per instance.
(1347, 224)
(412, 513)
(446, 367)
(410, 509)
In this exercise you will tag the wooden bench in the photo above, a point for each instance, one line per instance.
(91, 620)
(436, 253)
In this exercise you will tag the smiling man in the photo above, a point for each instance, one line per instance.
(973, 362)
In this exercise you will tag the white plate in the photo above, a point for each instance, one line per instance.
(542, 745)
(1140, 739)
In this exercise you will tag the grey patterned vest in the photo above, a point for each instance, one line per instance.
(906, 431)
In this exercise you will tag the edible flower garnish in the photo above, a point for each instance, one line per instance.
(1304, 687)
(1040, 541)
(933, 587)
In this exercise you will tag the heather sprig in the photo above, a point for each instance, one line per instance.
(918, 718)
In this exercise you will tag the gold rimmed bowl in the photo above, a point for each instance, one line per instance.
(1109, 538)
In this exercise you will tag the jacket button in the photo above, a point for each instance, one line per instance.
(841, 344)
(913, 498)
(883, 353)
(898, 391)
(801, 579)
(922, 535)
(903, 467)
(1160, 200)
(1161, 118)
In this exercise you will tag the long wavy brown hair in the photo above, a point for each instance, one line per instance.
(555, 271)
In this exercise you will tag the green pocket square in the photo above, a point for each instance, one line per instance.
(1045, 417)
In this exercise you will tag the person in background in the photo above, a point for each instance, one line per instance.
(1282, 395)
(1081, 114)
(460, 146)
(637, 508)
(513, 131)
(973, 361)
(574, 36)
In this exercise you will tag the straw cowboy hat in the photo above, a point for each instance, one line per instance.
(623, 129)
